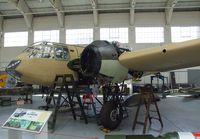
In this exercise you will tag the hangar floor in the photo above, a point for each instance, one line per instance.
(178, 114)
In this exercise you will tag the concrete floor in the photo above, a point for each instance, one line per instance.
(178, 114)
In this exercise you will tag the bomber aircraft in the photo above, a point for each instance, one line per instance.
(102, 61)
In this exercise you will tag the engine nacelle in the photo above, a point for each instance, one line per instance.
(100, 59)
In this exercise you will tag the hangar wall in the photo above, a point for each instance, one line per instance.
(105, 20)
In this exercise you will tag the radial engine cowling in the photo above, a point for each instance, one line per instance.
(100, 59)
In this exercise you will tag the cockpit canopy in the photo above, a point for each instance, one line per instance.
(48, 50)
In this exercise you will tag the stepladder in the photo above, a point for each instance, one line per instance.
(151, 108)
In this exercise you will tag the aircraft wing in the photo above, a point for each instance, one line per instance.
(167, 57)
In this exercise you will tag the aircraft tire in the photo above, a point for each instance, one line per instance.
(111, 115)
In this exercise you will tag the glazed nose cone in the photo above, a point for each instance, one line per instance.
(11, 68)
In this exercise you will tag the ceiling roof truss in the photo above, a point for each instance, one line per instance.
(169, 10)
(57, 5)
(23, 8)
(132, 11)
(95, 12)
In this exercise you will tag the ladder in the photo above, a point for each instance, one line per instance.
(147, 97)
(64, 82)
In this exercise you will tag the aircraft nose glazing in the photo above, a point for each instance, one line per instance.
(10, 69)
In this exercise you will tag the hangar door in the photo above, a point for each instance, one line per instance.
(194, 77)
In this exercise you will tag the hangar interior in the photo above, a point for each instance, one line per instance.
(136, 24)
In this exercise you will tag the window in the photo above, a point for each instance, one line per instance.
(50, 36)
(185, 33)
(47, 50)
(114, 34)
(12, 39)
(149, 34)
(79, 36)
(61, 53)
(41, 51)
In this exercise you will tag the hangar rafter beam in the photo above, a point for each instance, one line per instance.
(1, 27)
(169, 10)
(132, 12)
(23, 8)
(1, 24)
(57, 5)
(95, 12)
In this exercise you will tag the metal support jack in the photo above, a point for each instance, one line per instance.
(63, 82)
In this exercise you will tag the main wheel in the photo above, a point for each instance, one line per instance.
(111, 115)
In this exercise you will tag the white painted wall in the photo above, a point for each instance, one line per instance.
(13, 25)
(79, 21)
(186, 19)
(105, 20)
(114, 20)
(45, 23)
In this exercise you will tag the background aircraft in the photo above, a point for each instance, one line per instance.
(102, 61)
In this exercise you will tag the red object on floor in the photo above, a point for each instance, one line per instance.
(196, 134)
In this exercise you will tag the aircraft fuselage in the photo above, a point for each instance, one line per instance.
(35, 66)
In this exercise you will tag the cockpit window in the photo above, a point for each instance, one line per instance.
(61, 53)
(37, 52)
(47, 50)
(29, 49)
(65, 53)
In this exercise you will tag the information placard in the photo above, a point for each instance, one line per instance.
(27, 120)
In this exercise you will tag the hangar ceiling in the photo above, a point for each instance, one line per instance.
(33, 8)
(42, 7)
